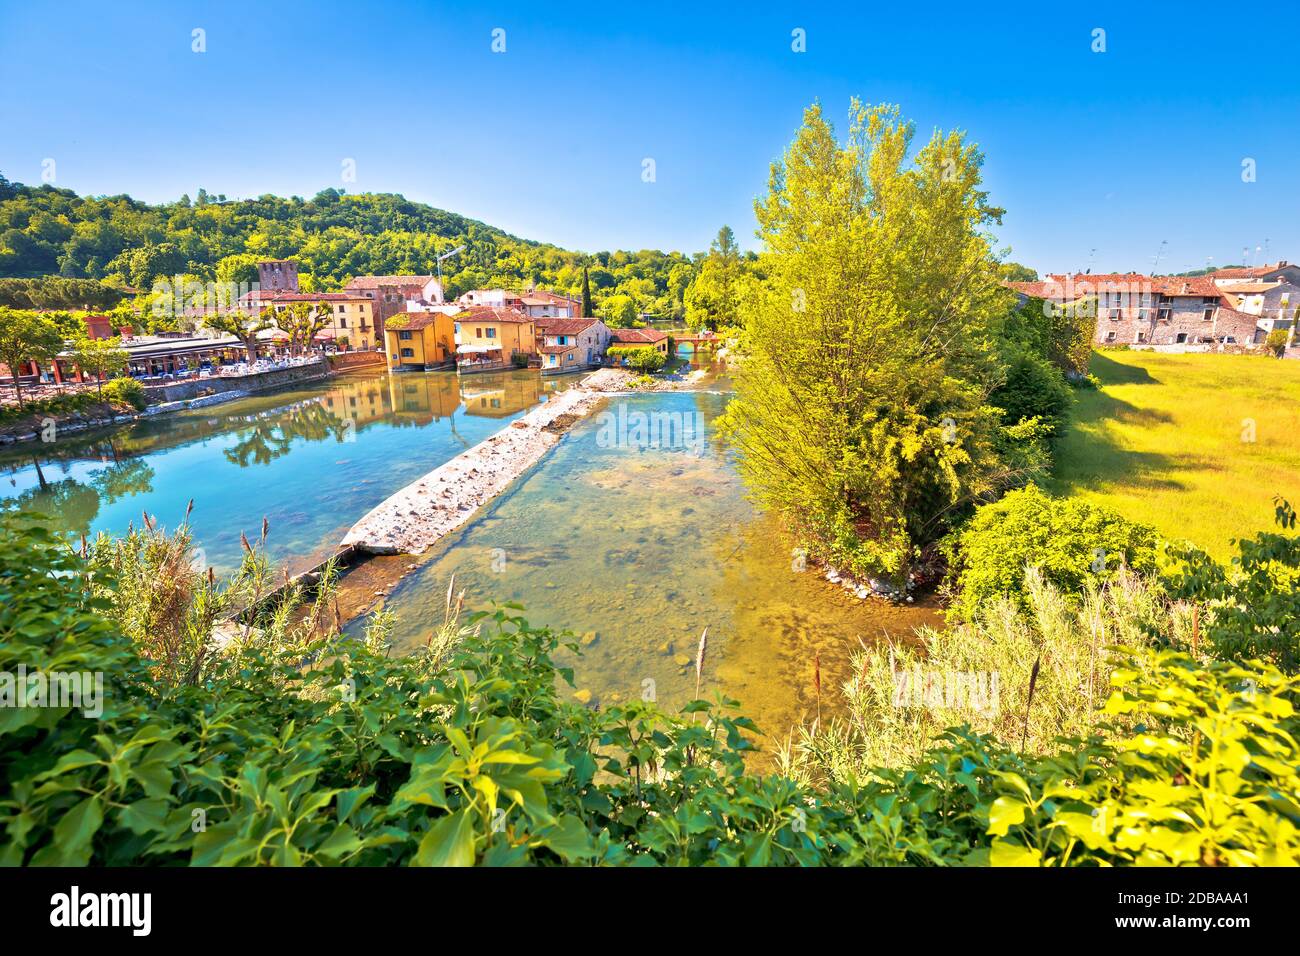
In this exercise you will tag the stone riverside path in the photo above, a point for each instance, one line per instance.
(419, 515)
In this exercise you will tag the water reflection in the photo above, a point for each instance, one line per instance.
(311, 459)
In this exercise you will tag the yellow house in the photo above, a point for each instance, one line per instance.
(420, 340)
(490, 337)
(351, 317)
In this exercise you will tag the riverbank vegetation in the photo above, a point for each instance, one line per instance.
(330, 752)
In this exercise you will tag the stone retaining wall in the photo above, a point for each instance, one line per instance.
(248, 384)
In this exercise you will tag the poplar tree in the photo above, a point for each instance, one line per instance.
(859, 409)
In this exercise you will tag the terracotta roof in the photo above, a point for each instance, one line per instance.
(645, 336)
(556, 349)
(373, 282)
(492, 313)
(1039, 290)
(1249, 272)
(1135, 283)
(408, 321)
(555, 326)
(1250, 286)
(556, 297)
(284, 296)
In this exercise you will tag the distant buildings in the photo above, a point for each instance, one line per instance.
(351, 322)
(393, 295)
(570, 345)
(420, 340)
(493, 337)
(640, 338)
(278, 275)
(1177, 312)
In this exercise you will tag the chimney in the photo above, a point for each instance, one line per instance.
(127, 333)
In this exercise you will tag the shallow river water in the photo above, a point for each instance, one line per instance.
(637, 549)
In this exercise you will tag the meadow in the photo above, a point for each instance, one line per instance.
(1195, 445)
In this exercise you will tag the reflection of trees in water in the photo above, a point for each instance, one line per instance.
(274, 436)
(72, 505)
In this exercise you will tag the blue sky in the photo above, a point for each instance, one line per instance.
(1097, 157)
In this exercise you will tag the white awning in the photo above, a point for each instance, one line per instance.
(473, 349)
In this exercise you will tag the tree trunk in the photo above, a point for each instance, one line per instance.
(18, 390)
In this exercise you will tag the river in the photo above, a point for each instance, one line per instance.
(311, 459)
(634, 532)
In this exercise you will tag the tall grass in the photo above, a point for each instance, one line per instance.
(903, 695)
(185, 619)
(1194, 445)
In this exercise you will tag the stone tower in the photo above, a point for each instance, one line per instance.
(278, 275)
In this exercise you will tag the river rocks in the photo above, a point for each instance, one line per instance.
(583, 696)
(589, 638)
(466, 482)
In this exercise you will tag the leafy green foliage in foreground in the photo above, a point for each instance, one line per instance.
(369, 760)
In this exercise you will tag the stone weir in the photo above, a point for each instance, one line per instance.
(428, 508)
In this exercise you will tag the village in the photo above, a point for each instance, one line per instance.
(404, 322)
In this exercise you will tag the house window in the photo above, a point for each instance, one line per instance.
(491, 333)
(478, 333)
(1164, 313)
(1181, 337)
(1231, 340)
(404, 336)
(408, 353)
(343, 323)
(1115, 314)
(1141, 337)
(1209, 314)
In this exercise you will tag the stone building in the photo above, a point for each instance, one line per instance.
(278, 275)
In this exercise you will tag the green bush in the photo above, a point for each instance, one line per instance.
(1034, 388)
(1276, 341)
(125, 391)
(64, 404)
(639, 358)
(1252, 607)
(1071, 541)
(358, 759)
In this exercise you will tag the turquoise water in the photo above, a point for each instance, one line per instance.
(311, 460)
(637, 545)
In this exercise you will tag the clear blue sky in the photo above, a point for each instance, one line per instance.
(1112, 152)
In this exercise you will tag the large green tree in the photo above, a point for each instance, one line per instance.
(26, 337)
(100, 358)
(860, 409)
(243, 326)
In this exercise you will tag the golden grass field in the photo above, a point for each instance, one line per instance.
(1196, 445)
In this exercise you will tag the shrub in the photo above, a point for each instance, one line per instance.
(468, 755)
(905, 692)
(1034, 388)
(1252, 607)
(639, 358)
(1276, 341)
(1072, 541)
(125, 391)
